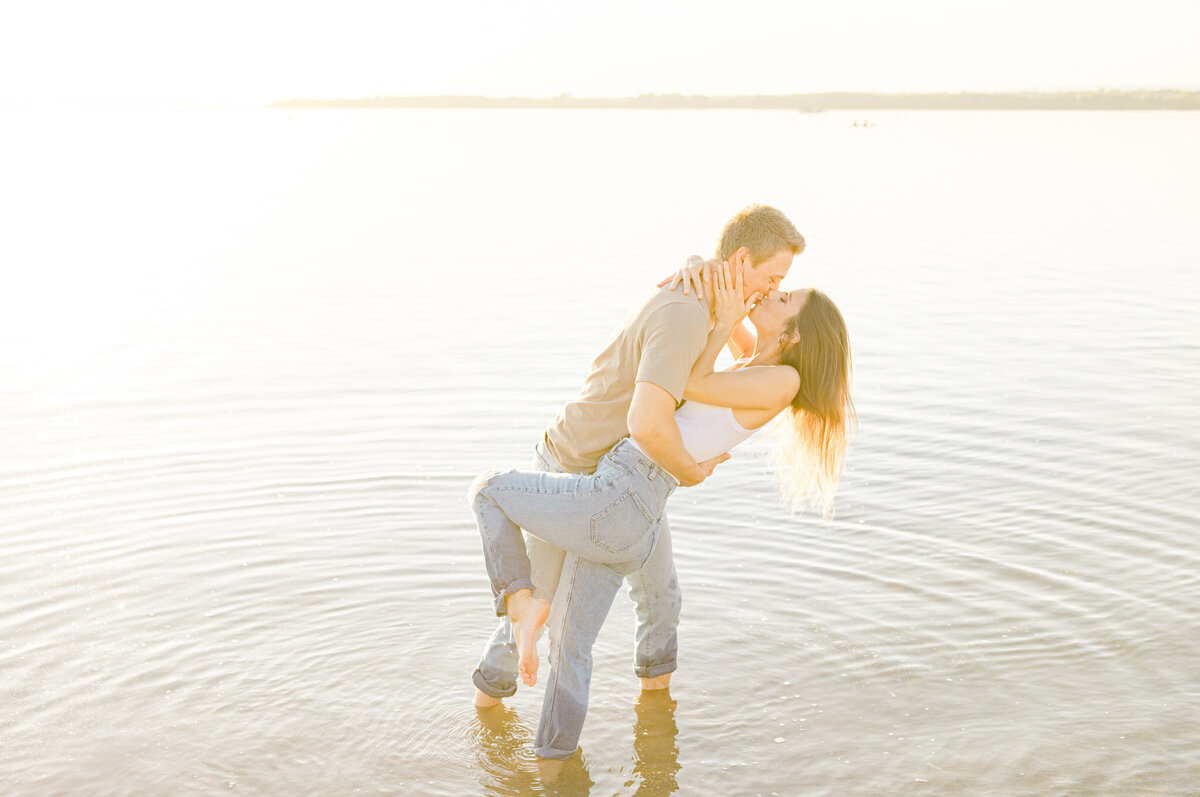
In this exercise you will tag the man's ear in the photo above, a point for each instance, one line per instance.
(741, 258)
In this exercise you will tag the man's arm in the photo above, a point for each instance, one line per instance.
(697, 274)
(652, 426)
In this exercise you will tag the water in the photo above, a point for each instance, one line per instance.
(250, 360)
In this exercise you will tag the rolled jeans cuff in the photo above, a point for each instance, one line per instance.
(551, 752)
(483, 686)
(655, 670)
(519, 584)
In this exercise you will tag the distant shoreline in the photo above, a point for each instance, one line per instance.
(1162, 100)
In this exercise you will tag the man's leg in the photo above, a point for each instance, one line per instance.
(657, 599)
(585, 595)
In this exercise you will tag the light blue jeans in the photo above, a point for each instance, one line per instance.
(585, 534)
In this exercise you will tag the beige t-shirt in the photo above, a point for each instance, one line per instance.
(659, 342)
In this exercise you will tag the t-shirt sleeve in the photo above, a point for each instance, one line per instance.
(672, 338)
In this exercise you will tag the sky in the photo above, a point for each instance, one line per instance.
(249, 52)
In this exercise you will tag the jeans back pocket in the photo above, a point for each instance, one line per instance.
(623, 523)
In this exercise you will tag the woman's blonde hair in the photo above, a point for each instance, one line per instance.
(811, 449)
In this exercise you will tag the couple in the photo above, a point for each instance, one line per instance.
(594, 504)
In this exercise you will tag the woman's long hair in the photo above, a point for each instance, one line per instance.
(811, 450)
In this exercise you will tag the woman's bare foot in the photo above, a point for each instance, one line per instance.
(484, 700)
(527, 614)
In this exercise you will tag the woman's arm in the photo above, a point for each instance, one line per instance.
(768, 387)
(761, 388)
(741, 342)
(694, 275)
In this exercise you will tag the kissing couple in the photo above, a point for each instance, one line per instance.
(654, 414)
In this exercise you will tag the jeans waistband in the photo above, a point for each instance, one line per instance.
(628, 454)
(542, 449)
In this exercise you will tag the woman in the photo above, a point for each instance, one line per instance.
(799, 361)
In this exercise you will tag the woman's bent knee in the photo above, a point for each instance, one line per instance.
(482, 481)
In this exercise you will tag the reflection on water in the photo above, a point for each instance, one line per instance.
(504, 751)
(655, 744)
(507, 766)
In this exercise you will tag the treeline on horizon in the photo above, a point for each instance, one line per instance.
(1159, 100)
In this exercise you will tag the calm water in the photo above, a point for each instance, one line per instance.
(249, 361)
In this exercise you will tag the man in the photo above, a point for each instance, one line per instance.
(633, 389)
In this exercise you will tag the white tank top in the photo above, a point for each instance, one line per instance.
(709, 431)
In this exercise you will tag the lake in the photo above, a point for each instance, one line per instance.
(251, 359)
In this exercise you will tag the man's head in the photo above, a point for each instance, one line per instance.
(763, 241)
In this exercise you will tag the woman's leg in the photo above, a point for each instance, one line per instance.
(509, 570)
(609, 517)
(496, 675)
(595, 517)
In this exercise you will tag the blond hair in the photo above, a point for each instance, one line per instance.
(811, 448)
(763, 230)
